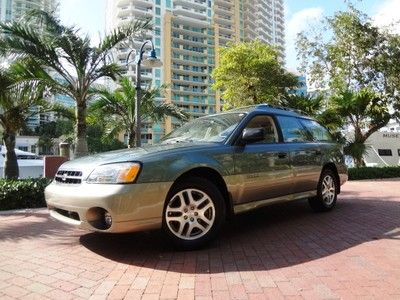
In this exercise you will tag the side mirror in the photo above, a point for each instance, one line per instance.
(253, 135)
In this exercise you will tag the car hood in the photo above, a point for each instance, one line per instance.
(88, 163)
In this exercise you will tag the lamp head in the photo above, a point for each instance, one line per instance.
(152, 61)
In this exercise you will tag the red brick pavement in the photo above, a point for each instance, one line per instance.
(280, 252)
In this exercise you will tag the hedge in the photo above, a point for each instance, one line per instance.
(25, 193)
(373, 173)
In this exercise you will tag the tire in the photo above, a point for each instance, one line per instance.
(194, 213)
(327, 192)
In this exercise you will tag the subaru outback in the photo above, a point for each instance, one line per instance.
(202, 172)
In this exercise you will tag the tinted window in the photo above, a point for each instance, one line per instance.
(318, 132)
(266, 123)
(292, 130)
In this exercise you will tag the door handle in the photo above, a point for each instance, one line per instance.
(282, 155)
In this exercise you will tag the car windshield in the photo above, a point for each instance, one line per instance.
(215, 128)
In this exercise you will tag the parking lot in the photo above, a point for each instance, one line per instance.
(284, 251)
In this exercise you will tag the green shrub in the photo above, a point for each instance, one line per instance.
(373, 173)
(26, 193)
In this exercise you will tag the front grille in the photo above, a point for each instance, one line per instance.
(69, 177)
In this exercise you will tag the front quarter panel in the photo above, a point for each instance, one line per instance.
(167, 167)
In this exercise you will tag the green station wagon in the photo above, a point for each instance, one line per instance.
(202, 172)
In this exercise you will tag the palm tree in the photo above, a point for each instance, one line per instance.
(119, 107)
(366, 112)
(17, 97)
(60, 51)
(307, 104)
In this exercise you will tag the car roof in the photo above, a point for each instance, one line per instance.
(273, 109)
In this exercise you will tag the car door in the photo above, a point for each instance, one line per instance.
(263, 167)
(305, 154)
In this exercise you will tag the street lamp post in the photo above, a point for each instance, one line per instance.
(151, 62)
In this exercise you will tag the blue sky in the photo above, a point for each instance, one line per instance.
(300, 14)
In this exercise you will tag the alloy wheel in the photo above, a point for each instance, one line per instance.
(328, 190)
(190, 214)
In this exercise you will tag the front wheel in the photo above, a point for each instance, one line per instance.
(194, 212)
(326, 192)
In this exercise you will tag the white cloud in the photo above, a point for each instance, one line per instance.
(388, 14)
(298, 22)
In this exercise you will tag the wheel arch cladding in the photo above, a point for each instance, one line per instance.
(211, 175)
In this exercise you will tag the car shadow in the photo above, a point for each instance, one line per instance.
(273, 237)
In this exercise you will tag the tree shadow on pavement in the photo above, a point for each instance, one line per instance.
(273, 237)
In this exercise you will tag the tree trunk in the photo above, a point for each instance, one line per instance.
(11, 170)
(131, 136)
(360, 140)
(81, 146)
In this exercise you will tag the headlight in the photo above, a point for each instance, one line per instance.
(115, 173)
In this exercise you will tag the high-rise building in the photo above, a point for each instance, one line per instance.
(14, 9)
(187, 35)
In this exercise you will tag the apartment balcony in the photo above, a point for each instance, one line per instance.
(180, 50)
(193, 13)
(189, 21)
(225, 30)
(189, 42)
(182, 61)
(181, 71)
(189, 91)
(222, 10)
(122, 3)
(196, 4)
(190, 82)
(183, 31)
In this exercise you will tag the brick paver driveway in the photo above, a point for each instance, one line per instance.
(284, 251)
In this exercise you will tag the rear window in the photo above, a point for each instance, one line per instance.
(318, 132)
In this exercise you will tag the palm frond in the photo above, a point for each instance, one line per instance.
(49, 20)
(168, 109)
(108, 70)
(122, 33)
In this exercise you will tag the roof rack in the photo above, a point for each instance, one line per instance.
(266, 105)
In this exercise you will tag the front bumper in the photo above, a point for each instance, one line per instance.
(133, 207)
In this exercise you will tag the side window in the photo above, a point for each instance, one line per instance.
(292, 130)
(318, 132)
(267, 123)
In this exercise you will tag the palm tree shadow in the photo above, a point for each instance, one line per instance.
(273, 237)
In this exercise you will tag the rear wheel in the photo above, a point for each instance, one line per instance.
(194, 212)
(326, 193)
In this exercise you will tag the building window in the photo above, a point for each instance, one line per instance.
(398, 152)
(23, 148)
(158, 21)
(385, 152)
(158, 11)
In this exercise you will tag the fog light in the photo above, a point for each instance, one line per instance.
(107, 219)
